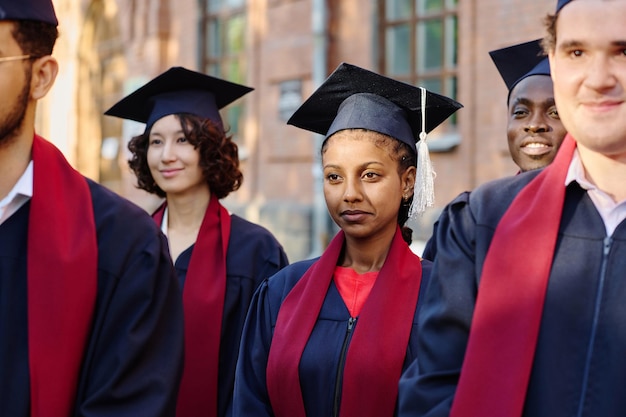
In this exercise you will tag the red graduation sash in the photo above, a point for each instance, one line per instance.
(505, 327)
(378, 347)
(62, 276)
(203, 305)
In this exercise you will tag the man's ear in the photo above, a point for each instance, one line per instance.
(44, 73)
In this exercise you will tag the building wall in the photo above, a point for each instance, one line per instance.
(491, 25)
(277, 188)
(131, 41)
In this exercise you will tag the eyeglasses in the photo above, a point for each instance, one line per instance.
(15, 58)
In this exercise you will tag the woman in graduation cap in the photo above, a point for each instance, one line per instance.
(331, 336)
(186, 156)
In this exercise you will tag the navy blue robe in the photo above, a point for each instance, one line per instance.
(320, 362)
(579, 367)
(133, 359)
(430, 249)
(253, 255)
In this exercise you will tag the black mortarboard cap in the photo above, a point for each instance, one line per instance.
(561, 3)
(38, 10)
(520, 61)
(352, 97)
(178, 90)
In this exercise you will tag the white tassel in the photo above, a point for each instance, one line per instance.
(424, 191)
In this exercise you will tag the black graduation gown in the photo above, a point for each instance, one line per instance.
(133, 359)
(253, 254)
(579, 367)
(430, 249)
(320, 362)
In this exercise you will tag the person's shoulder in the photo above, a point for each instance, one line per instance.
(504, 188)
(460, 200)
(254, 239)
(124, 230)
(284, 280)
(248, 230)
(497, 195)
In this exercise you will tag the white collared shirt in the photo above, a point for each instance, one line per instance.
(164, 222)
(21, 192)
(612, 213)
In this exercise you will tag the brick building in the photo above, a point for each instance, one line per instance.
(285, 48)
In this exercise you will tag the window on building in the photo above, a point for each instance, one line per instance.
(222, 49)
(418, 45)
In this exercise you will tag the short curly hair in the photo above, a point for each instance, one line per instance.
(219, 158)
(549, 41)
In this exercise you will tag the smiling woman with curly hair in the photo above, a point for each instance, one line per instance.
(218, 156)
(185, 156)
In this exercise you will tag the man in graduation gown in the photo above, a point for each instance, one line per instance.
(534, 129)
(90, 311)
(524, 314)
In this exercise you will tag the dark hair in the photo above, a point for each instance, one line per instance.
(404, 155)
(219, 159)
(549, 41)
(407, 158)
(35, 38)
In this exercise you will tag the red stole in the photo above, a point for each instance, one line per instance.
(203, 305)
(511, 294)
(62, 276)
(372, 369)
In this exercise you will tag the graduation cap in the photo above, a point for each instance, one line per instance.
(38, 10)
(178, 90)
(355, 98)
(560, 4)
(520, 61)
